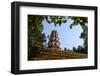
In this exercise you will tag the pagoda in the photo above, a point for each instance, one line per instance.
(54, 40)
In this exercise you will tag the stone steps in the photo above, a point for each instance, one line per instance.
(48, 54)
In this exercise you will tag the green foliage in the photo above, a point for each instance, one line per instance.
(57, 20)
(83, 21)
(80, 49)
(79, 20)
(65, 49)
(35, 28)
(74, 49)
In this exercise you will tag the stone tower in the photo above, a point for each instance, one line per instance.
(54, 40)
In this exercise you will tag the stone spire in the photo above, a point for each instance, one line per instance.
(54, 40)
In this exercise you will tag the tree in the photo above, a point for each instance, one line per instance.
(79, 20)
(83, 21)
(57, 20)
(74, 49)
(65, 49)
(80, 49)
(84, 35)
(35, 36)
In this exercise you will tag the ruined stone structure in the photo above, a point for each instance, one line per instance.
(54, 40)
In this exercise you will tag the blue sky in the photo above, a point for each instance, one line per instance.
(68, 38)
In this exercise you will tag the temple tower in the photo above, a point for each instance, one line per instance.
(54, 40)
